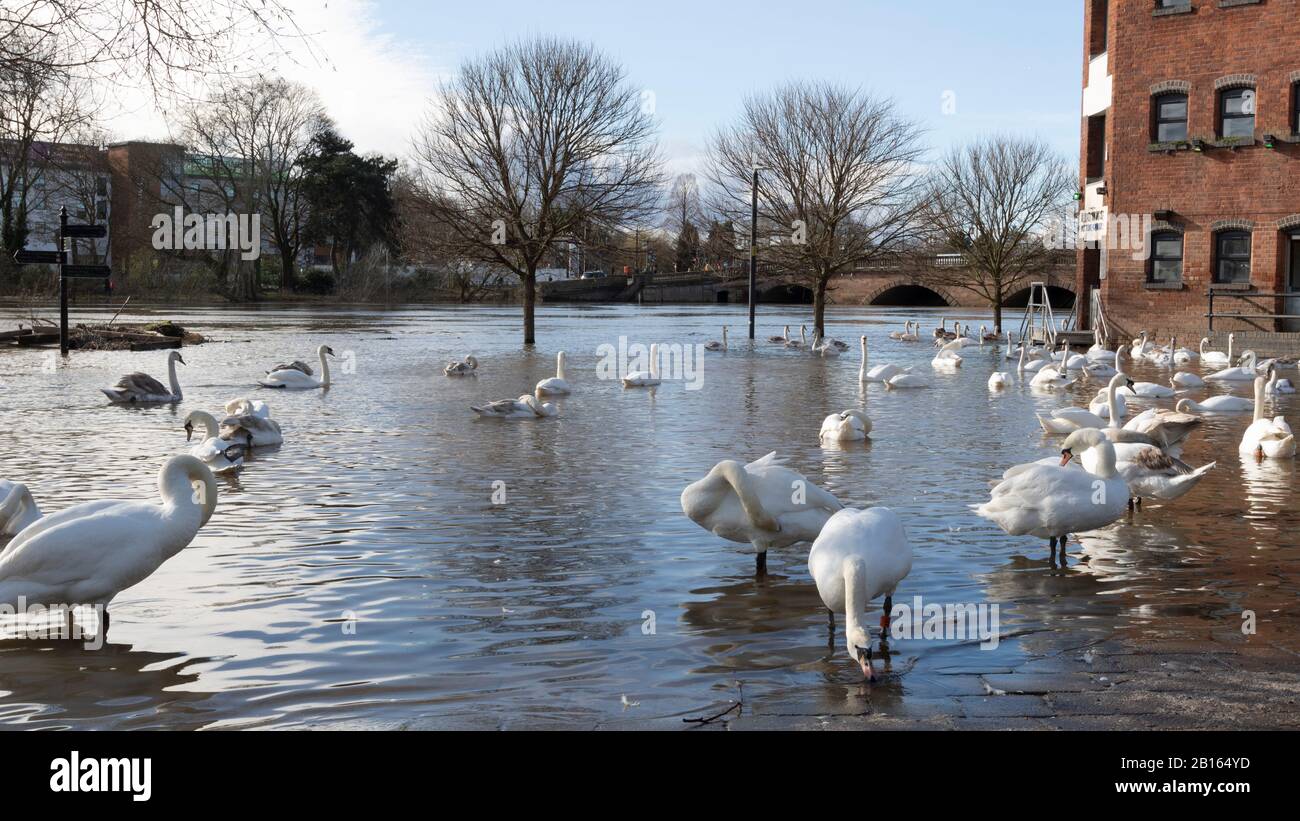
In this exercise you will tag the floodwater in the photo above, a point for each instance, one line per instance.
(363, 575)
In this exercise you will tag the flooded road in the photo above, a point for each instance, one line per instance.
(364, 574)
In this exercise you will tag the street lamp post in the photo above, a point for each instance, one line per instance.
(753, 249)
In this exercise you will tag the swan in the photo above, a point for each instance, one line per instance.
(1052, 501)
(1099, 352)
(1150, 473)
(17, 508)
(859, 556)
(1270, 438)
(1100, 370)
(555, 385)
(1051, 377)
(942, 331)
(1186, 379)
(1185, 356)
(847, 426)
(1241, 373)
(906, 380)
(1277, 386)
(763, 504)
(1030, 367)
(1169, 428)
(1149, 390)
(1163, 357)
(1224, 403)
(1068, 420)
(527, 406)
(1216, 358)
(783, 338)
(801, 341)
(88, 553)
(140, 387)
(947, 356)
(294, 379)
(907, 326)
(999, 380)
(250, 419)
(645, 379)
(1109, 402)
(880, 373)
(1140, 347)
(822, 348)
(715, 345)
(913, 333)
(468, 367)
(220, 455)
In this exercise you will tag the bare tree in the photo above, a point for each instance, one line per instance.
(986, 207)
(836, 185)
(531, 143)
(683, 214)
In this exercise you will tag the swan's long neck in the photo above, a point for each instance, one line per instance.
(19, 510)
(559, 361)
(1112, 404)
(210, 428)
(1259, 398)
(735, 476)
(182, 499)
(1106, 460)
(855, 600)
(862, 372)
(324, 370)
(1229, 349)
(171, 377)
(1202, 348)
(1021, 366)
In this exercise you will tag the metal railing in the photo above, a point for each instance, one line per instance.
(1211, 314)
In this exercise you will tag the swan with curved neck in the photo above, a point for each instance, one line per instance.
(859, 556)
(88, 553)
(294, 379)
(1242, 373)
(141, 387)
(467, 367)
(17, 508)
(220, 455)
(556, 385)
(847, 426)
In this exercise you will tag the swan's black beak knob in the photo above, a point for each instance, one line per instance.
(189, 431)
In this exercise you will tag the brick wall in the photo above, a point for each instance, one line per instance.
(1220, 43)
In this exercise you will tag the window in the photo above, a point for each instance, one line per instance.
(1295, 108)
(1232, 256)
(1171, 118)
(1172, 4)
(1166, 257)
(1237, 112)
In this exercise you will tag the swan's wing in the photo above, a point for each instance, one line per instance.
(296, 365)
(770, 460)
(142, 383)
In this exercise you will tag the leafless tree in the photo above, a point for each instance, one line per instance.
(986, 207)
(837, 187)
(683, 213)
(156, 41)
(529, 144)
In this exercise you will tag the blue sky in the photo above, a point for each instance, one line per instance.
(1011, 66)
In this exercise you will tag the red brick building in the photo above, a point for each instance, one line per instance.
(1191, 113)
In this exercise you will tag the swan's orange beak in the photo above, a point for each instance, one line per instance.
(1066, 456)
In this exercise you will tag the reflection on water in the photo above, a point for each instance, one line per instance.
(364, 575)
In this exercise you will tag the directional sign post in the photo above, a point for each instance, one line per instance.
(67, 271)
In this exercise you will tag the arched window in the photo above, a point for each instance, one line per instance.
(1166, 257)
(1232, 256)
(1237, 112)
(1170, 117)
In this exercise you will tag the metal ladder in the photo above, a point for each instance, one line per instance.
(1039, 323)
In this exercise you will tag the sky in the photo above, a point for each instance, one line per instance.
(961, 69)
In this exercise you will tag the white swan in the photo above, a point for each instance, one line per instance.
(1225, 403)
(467, 367)
(141, 387)
(715, 345)
(1186, 379)
(999, 380)
(913, 333)
(17, 508)
(947, 357)
(859, 556)
(527, 406)
(822, 348)
(1140, 347)
(1270, 438)
(783, 338)
(1068, 420)
(763, 504)
(1109, 402)
(250, 420)
(1050, 377)
(1051, 502)
(220, 455)
(1150, 473)
(847, 426)
(645, 379)
(1242, 373)
(907, 380)
(1275, 385)
(88, 553)
(801, 341)
(880, 373)
(295, 380)
(1149, 390)
(556, 385)
(1216, 358)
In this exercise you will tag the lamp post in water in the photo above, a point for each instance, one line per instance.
(753, 249)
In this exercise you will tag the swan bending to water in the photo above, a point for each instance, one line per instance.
(1051, 501)
(859, 556)
(947, 357)
(999, 380)
(527, 406)
(847, 426)
(88, 553)
(17, 508)
(1186, 379)
(250, 420)
(763, 504)
(556, 385)
(1270, 438)
(141, 387)
(466, 367)
(907, 380)
(715, 345)
(295, 380)
(220, 455)
(645, 379)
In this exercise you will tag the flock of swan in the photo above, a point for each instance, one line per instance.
(86, 554)
(1105, 469)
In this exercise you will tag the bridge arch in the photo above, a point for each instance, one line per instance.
(905, 292)
(786, 294)
(1062, 298)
